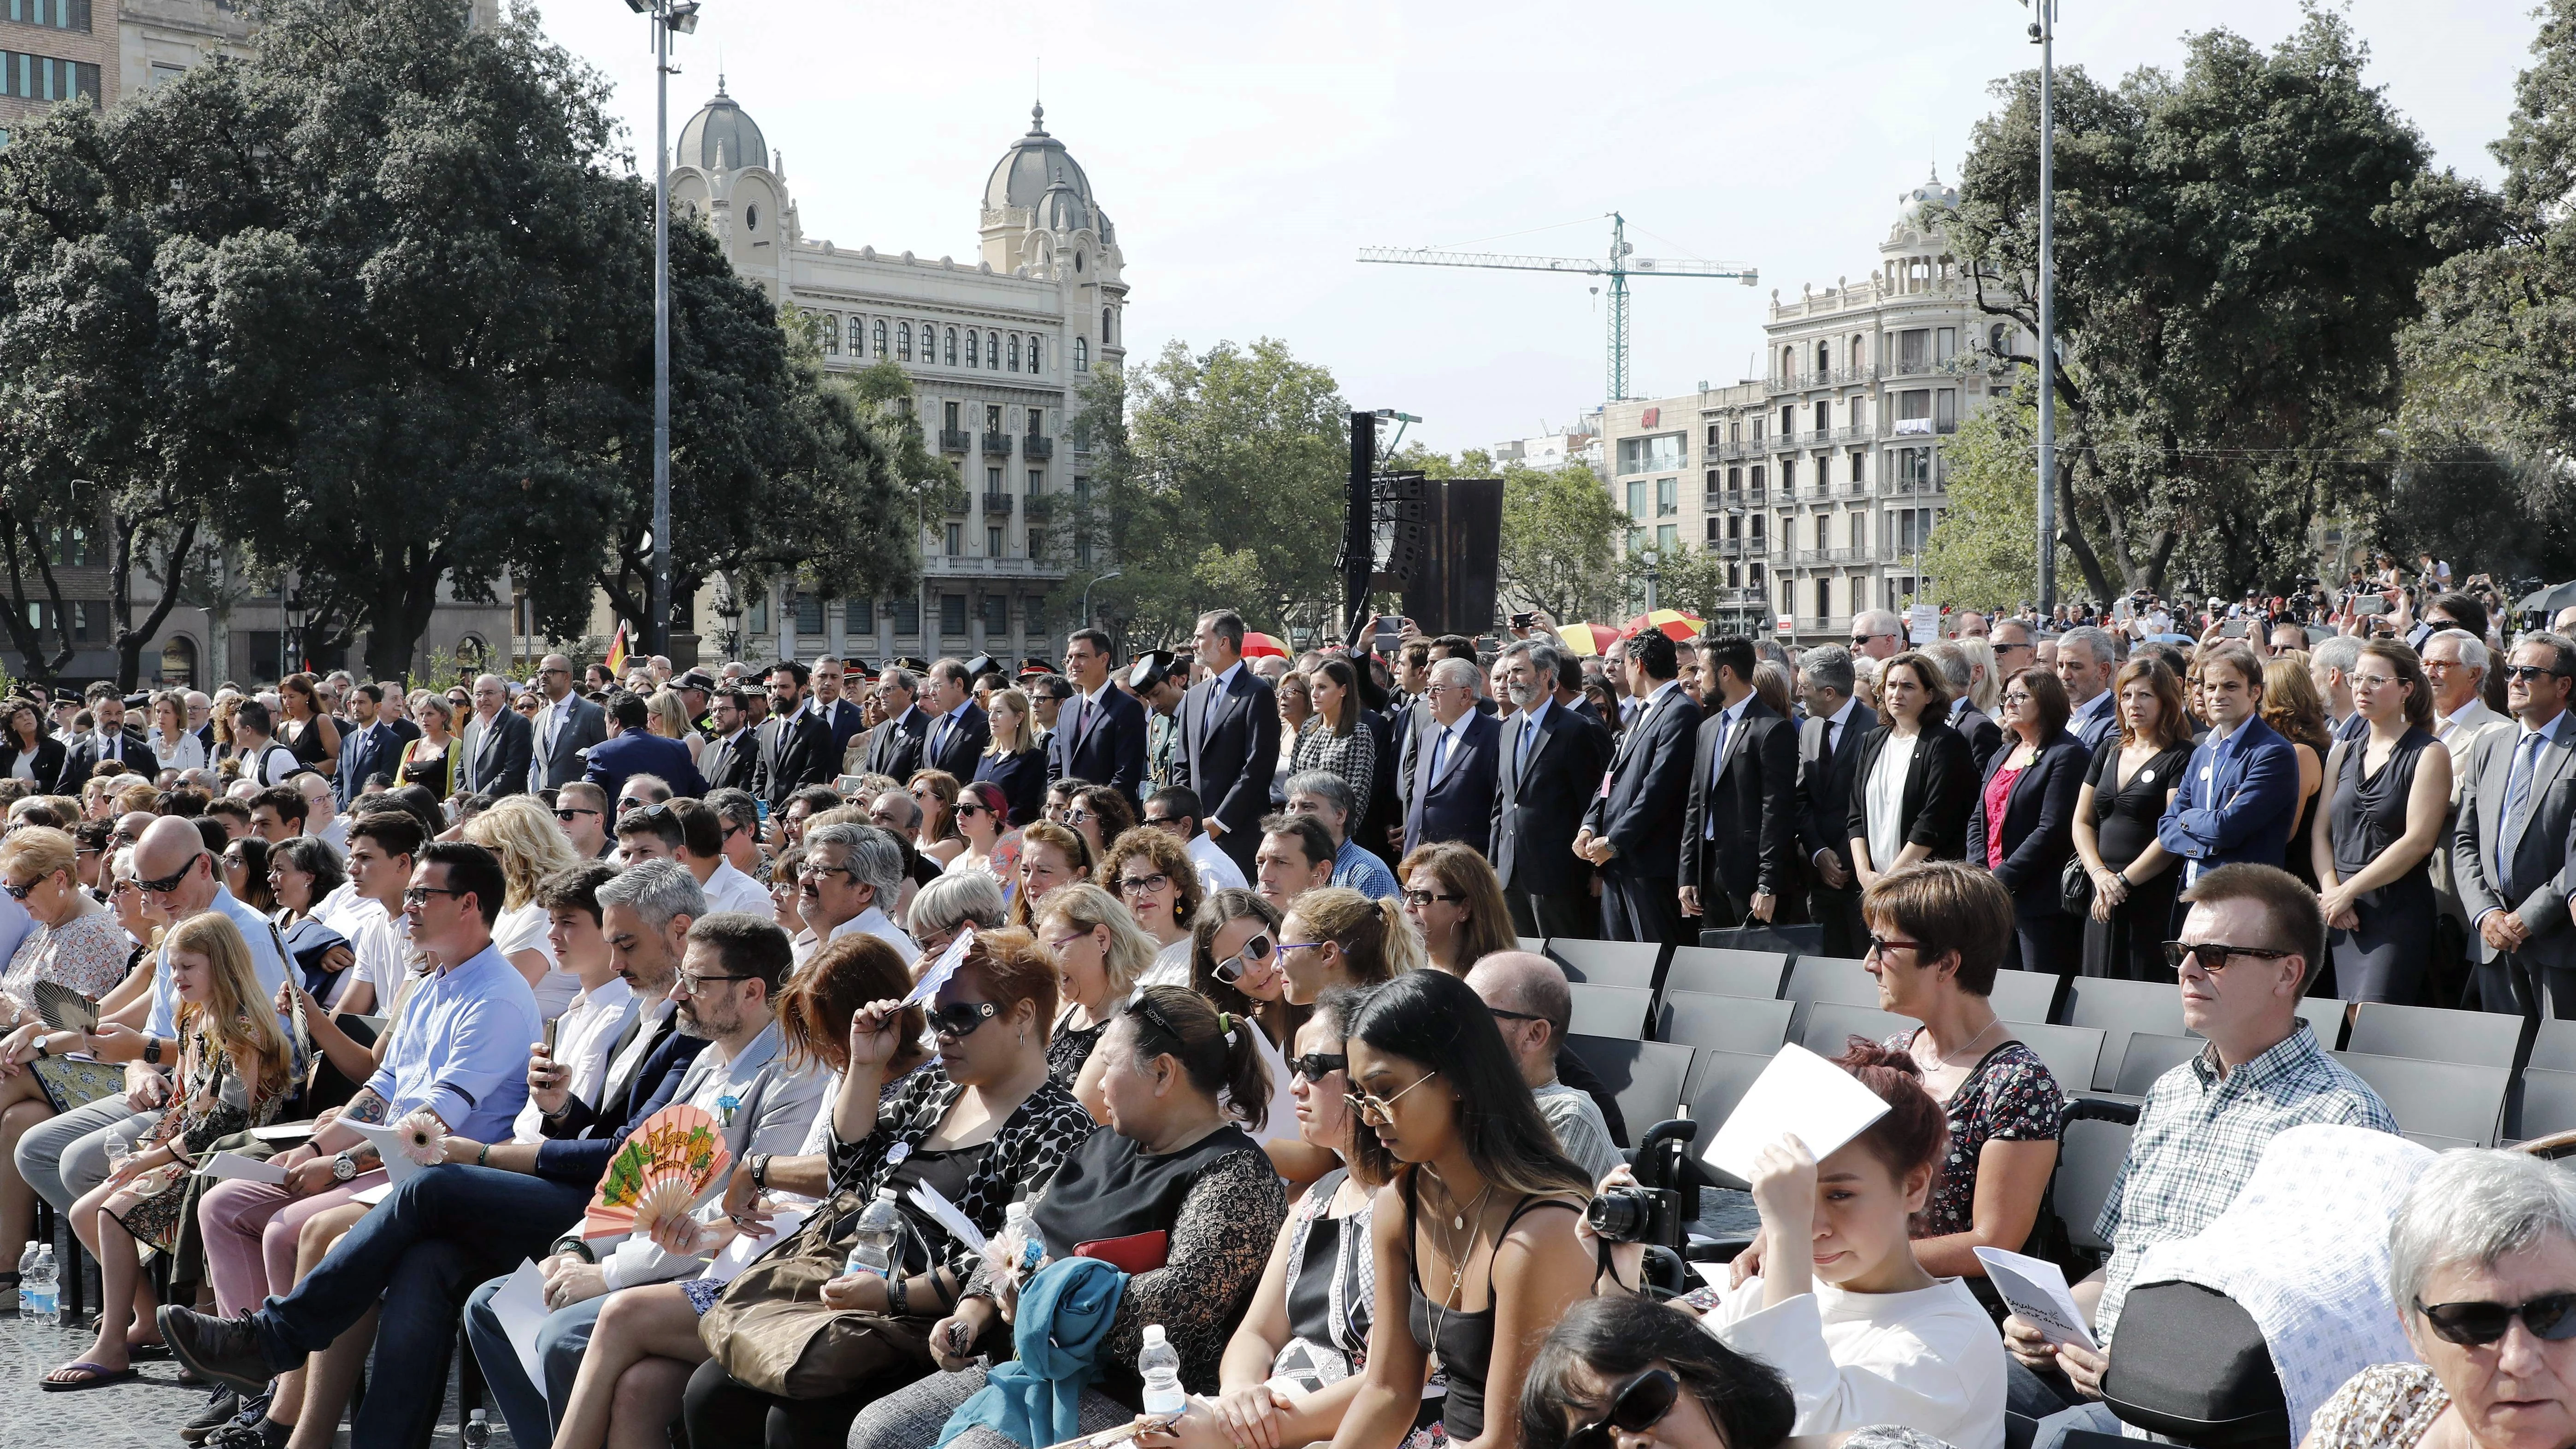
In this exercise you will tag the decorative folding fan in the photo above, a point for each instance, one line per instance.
(666, 1164)
(65, 1009)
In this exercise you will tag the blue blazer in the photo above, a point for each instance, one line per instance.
(641, 752)
(579, 1143)
(1109, 749)
(1023, 778)
(1460, 806)
(1641, 815)
(2239, 800)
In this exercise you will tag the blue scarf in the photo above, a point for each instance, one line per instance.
(1063, 1319)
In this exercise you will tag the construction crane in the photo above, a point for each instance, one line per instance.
(1618, 269)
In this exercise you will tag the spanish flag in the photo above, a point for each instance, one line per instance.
(617, 651)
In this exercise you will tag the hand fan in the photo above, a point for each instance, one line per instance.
(665, 1165)
(65, 1009)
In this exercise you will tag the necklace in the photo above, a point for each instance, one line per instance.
(1440, 1311)
(1944, 1058)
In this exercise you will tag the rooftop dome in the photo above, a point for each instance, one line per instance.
(1034, 163)
(1060, 209)
(1915, 208)
(720, 130)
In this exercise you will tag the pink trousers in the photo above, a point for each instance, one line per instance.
(250, 1230)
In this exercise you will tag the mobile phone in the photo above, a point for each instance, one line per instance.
(763, 807)
(847, 783)
(1387, 631)
(1522, 620)
(2232, 629)
(2370, 604)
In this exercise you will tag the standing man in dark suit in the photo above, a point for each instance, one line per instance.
(562, 729)
(504, 745)
(1633, 830)
(1100, 731)
(370, 747)
(1552, 762)
(840, 716)
(1228, 739)
(2509, 855)
(1739, 827)
(795, 746)
(896, 750)
(959, 730)
(732, 760)
(1974, 725)
(1828, 756)
(1446, 778)
(114, 738)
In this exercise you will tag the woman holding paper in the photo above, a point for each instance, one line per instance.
(1915, 781)
(233, 1073)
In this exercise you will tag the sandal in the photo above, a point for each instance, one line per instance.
(97, 1375)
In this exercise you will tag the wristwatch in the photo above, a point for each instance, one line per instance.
(152, 1050)
(343, 1167)
(760, 1171)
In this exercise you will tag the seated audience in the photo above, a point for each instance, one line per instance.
(1148, 871)
(1295, 856)
(1051, 855)
(1455, 903)
(852, 876)
(1526, 995)
(1335, 936)
(1330, 800)
(1100, 953)
(1234, 962)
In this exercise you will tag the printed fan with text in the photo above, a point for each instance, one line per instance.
(665, 1165)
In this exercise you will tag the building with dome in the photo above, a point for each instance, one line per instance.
(1820, 481)
(999, 346)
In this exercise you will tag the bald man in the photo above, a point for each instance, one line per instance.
(1877, 634)
(1527, 995)
(497, 761)
(561, 729)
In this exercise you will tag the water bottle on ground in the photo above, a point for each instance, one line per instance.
(478, 1431)
(26, 1265)
(878, 1244)
(1032, 1249)
(1160, 1366)
(44, 1288)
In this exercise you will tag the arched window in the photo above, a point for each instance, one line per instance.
(952, 347)
(974, 349)
(1824, 357)
(1033, 354)
(993, 349)
(1788, 362)
(858, 337)
(1015, 352)
(827, 331)
(881, 339)
(1108, 332)
(1082, 354)
(903, 341)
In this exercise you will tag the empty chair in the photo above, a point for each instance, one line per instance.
(2432, 1034)
(1535, 945)
(2324, 1016)
(2073, 1054)
(1720, 972)
(2554, 1047)
(1836, 980)
(1606, 963)
(1830, 1025)
(2023, 995)
(2437, 1099)
(2119, 1008)
(1644, 1077)
(2148, 1057)
(1727, 1023)
(1719, 1080)
(2548, 1105)
(1613, 1011)
(2089, 1154)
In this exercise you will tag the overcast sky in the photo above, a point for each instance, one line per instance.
(1247, 154)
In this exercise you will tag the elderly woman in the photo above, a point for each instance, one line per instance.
(76, 943)
(2482, 1268)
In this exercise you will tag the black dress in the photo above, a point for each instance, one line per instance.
(2130, 945)
(2383, 958)
(1463, 1342)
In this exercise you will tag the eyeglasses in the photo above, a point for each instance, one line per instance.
(419, 895)
(2529, 672)
(2551, 1316)
(1380, 1111)
(170, 882)
(1501, 1014)
(817, 870)
(1881, 945)
(631, 803)
(1316, 1066)
(1424, 898)
(1254, 952)
(1143, 884)
(1165, 822)
(2214, 956)
(2371, 681)
(962, 1018)
(565, 813)
(1636, 1406)
(697, 985)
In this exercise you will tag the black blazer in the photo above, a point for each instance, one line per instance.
(499, 764)
(896, 750)
(1825, 784)
(1228, 745)
(81, 757)
(1752, 797)
(2039, 821)
(579, 1143)
(964, 742)
(48, 763)
(1460, 806)
(793, 757)
(1940, 787)
(1641, 817)
(843, 722)
(1109, 749)
(1539, 810)
(1983, 735)
(1023, 778)
(732, 766)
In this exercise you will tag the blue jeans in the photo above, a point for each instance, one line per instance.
(416, 1256)
(560, 1345)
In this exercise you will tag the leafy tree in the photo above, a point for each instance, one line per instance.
(1982, 554)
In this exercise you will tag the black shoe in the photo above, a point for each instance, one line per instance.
(220, 1350)
(260, 1434)
(218, 1412)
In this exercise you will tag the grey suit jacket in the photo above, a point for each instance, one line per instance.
(2535, 883)
(551, 767)
(2468, 729)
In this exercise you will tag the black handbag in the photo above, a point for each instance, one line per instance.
(2193, 1366)
(2075, 888)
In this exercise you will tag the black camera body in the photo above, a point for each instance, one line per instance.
(1637, 1215)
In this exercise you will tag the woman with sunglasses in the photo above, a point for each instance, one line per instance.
(1234, 962)
(1012, 762)
(73, 942)
(1149, 871)
(1290, 1371)
(992, 848)
(1455, 903)
(1102, 814)
(2388, 806)
(1475, 1244)
(1176, 1193)
(1099, 953)
(1051, 855)
(937, 793)
(2482, 1269)
(1334, 936)
(431, 761)
(27, 752)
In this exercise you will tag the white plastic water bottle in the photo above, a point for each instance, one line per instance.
(26, 1265)
(1033, 1248)
(478, 1431)
(118, 1147)
(1160, 1366)
(44, 1289)
(877, 1246)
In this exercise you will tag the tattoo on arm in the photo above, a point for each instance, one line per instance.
(365, 1107)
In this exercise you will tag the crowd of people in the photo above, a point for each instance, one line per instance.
(1176, 1009)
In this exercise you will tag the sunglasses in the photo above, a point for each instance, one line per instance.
(2529, 672)
(1637, 1405)
(1881, 945)
(21, 892)
(2551, 1316)
(1254, 952)
(961, 1019)
(1424, 898)
(2213, 956)
(566, 813)
(1316, 1066)
(170, 882)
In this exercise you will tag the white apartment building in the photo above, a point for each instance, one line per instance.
(1820, 481)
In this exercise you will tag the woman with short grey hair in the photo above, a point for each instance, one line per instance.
(950, 904)
(2482, 1268)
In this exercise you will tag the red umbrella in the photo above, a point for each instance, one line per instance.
(1677, 626)
(1256, 644)
(1588, 640)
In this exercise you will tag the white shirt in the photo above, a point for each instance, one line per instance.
(1171, 966)
(630, 1061)
(728, 889)
(1929, 1359)
(1217, 870)
(1886, 795)
(875, 922)
(583, 1035)
(189, 753)
(525, 930)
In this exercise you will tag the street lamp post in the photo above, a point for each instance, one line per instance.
(2043, 31)
(1087, 620)
(667, 16)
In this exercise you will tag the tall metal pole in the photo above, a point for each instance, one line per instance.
(657, 627)
(2047, 12)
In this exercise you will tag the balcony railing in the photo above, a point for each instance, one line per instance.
(997, 444)
(1035, 448)
(1040, 507)
(1817, 557)
(997, 505)
(955, 440)
(1823, 377)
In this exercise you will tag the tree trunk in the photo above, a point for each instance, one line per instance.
(29, 638)
(399, 613)
(130, 640)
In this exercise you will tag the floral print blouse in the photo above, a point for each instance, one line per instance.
(2008, 1097)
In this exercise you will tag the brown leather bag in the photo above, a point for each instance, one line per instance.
(772, 1332)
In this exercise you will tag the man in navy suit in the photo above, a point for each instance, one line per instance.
(1828, 757)
(795, 748)
(1446, 778)
(1739, 827)
(1983, 735)
(1228, 741)
(731, 760)
(958, 727)
(896, 750)
(1100, 731)
(632, 749)
(839, 715)
(1633, 830)
(373, 748)
(1551, 767)
(2239, 797)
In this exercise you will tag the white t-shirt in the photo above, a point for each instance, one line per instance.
(728, 889)
(525, 930)
(1171, 966)
(1217, 870)
(583, 1035)
(1929, 1359)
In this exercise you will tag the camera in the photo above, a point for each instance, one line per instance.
(1636, 1215)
